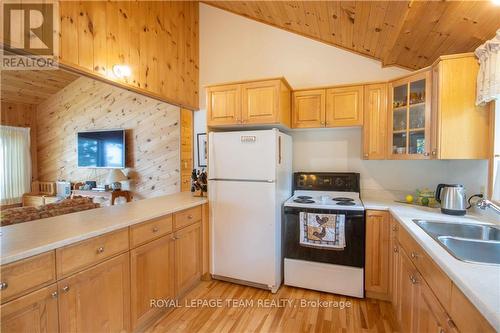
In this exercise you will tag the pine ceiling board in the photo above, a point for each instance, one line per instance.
(419, 23)
(33, 87)
(410, 34)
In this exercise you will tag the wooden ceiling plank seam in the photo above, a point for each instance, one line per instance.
(375, 25)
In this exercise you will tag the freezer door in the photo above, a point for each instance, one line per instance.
(249, 155)
(246, 236)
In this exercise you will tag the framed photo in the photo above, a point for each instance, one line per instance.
(202, 149)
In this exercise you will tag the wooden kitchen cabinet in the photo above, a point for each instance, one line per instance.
(188, 257)
(377, 254)
(409, 121)
(375, 122)
(393, 263)
(97, 297)
(308, 108)
(344, 106)
(407, 293)
(224, 105)
(152, 277)
(35, 312)
(264, 102)
(460, 128)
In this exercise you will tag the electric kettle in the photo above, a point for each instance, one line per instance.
(452, 198)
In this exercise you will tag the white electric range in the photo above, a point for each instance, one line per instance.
(336, 270)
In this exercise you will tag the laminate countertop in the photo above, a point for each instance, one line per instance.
(27, 239)
(480, 283)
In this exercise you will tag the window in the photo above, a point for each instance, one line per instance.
(15, 160)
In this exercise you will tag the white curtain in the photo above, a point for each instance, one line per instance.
(15, 161)
(488, 78)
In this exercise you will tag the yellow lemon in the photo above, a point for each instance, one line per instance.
(409, 198)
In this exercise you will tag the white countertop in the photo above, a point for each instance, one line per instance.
(479, 282)
(27, 239)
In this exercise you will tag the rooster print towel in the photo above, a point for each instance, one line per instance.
(324, 231)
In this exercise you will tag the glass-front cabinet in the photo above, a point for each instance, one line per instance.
(410, 117)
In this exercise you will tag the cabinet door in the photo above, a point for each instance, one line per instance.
(375, 122)
(35, 312)
(344, 106)
(260, 102)
(224, 105)
(377, 254)
(407, 292)
(393, 264)
(188, 257)
(152, 277)
(430, 315)
(97, 299)
(410, 117)
(309, 108)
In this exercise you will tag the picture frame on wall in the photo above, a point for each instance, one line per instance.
(202, 149)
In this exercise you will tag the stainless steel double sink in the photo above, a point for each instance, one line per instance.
(476, 243)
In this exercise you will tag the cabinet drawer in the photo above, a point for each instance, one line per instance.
(150, 230)
(433, 275)
(72, 258)
(187, 217)
(23, 276)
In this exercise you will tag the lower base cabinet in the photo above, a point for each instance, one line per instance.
(188, 257)
(97, 299)
(152, 278)
(35, 312)
(418, 309)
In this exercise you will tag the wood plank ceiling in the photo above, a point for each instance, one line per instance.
(409, 34)
(33, 87)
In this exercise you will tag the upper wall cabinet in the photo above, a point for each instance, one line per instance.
(333, 107)
(249, 103)
(158, 40)
(460, 128)
(344, 106)
(309, 108)
(410, 117)
(375, 122)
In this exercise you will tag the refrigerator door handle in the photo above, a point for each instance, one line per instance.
(279, 149)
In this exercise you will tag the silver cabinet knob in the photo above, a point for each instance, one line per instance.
(395, 249)
(426, 154)
(413, 255)
(100, 249)
(3, 285)
(175, 237)
(365, 155)
(322, 123)
(155, 229)
(413, 279)
(65, 289)
(54, 294)
(190, 217)
(394, 228)
(434, 152)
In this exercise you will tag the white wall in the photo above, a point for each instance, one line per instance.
(234, 48)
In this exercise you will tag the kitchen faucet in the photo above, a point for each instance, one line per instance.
(484, 203)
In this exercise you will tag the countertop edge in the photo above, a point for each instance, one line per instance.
(476, 301)
(81, 237)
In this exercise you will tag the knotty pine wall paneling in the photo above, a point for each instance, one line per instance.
(22, 115)
(157, 39)
(152, 135)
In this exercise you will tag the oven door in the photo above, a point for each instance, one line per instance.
(352, 255)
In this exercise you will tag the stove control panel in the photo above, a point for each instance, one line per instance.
(326, 181)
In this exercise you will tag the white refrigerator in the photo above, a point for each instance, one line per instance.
(249, 178)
